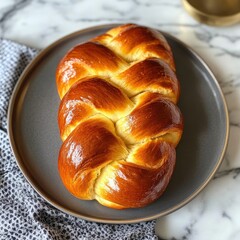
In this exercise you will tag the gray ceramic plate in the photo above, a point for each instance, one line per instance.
(34, 135)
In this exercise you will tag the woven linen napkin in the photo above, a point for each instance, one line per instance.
(23, 213)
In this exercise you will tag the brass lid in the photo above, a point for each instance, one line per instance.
(214, 12)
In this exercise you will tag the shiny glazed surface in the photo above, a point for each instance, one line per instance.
(118, 117)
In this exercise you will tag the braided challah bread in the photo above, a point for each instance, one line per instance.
(117, 117)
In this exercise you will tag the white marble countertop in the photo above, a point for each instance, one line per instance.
(215, 213)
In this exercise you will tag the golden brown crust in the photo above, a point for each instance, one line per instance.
(132, 186)
(134, 43)
(88, 97)
(150, 120)
(117, 117)
(82, 60)
(152, 75)
(151, 154)
(91, 146)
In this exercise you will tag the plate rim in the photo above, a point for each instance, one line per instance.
(41, 191)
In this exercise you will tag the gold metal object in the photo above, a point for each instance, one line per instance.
(214, 12)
